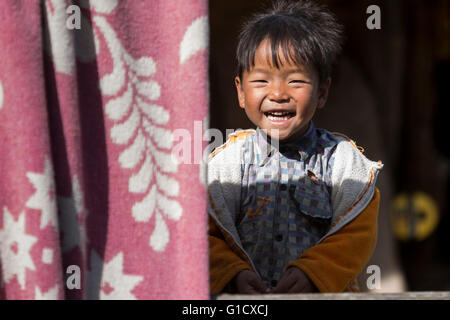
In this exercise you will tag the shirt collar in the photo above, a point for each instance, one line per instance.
(302, 146)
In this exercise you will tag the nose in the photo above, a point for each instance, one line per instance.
(278, 93)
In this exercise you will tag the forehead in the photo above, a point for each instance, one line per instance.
(281, 57)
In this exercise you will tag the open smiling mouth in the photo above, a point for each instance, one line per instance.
(279, 116)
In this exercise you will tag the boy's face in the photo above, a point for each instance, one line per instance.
(283, 99)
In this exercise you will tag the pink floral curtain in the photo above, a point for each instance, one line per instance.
(92, 203)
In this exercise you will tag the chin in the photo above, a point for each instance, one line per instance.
(281, 136)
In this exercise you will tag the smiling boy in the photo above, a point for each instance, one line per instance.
(293, 208)
(283, 98)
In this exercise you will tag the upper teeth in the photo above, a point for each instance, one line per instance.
(277, 116)
(278, 113)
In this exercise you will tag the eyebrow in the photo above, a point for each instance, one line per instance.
(296, 71)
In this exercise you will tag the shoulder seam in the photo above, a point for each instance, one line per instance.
(336, 134)
(232, 138)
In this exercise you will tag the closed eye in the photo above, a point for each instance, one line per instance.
(298, 81)
(259, 81)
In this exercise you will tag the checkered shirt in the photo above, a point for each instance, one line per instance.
(285, 198)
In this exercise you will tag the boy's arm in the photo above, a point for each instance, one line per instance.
(334, 263)
(224, 264)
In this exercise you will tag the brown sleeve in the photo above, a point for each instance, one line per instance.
(224, 264)
(333, 264)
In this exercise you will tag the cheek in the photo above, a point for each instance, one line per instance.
(306, 101)
(253, 100)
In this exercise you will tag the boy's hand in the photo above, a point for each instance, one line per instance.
(294, 280)
(248, 282)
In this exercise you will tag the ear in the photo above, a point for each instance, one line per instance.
(323, 93)
(240, 92)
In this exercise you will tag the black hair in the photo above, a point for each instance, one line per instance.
(310, 29)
